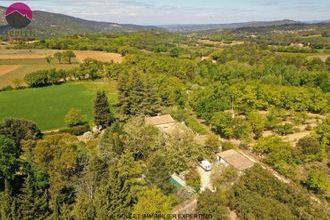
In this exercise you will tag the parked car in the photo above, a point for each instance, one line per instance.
(206, 165)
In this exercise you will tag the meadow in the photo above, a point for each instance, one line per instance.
(48, 106)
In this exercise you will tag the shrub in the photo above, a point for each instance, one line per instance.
(190, 121)
(309, 145)
(227, 145)
(7, 88)
(223, 123)
(212, 144)
(74, 117)
(257, 123)
(193, 179)
(317, 181)
(213, 204)
(260, 195)
(278, 153)
(285, 129)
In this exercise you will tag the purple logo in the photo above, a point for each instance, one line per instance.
(18, 15)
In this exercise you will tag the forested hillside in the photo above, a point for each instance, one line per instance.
(45, 24)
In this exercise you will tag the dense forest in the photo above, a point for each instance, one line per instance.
(249, 96)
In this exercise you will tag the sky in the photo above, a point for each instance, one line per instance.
(158, 12)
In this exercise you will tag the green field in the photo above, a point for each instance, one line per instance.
(47, 106)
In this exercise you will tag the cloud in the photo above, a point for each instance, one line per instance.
(184, 11)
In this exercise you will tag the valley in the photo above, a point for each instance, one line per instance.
(216, 121)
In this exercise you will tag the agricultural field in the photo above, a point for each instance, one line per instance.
(48, 106)
(98, 55)
(15, 64)
(4, 69)
(11, 54)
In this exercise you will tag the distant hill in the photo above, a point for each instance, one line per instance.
(203, 27)
(52, 24)
(326, 21)
(47, 24)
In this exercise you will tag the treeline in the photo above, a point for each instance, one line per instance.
(292, 49)
(62, 56)
(286, 74)
(255, 96)
(124, 43)
(45, 77)
(251, 62)
(157, 42)
(89, 70)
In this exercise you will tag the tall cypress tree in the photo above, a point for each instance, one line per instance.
(102, 113)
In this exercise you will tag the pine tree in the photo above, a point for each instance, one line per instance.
(102, 114)
(153, 201)
(33, 202)
(136, 95)
(151, 100)
(109, 199)
(116, 196)
(5, 203)
(159, 173)
(124, 90)
(83, 207)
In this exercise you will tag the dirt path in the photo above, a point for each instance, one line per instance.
(232, 215)
(205, 179)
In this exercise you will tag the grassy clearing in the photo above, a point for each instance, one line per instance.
(48, 106)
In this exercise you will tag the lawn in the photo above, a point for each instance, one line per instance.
(47, 106)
